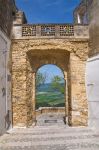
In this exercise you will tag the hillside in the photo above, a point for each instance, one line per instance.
(48, 97)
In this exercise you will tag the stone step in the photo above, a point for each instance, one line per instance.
(50, 129)
(50, 138)
(75, 142)
(43, 137)
(51, 132)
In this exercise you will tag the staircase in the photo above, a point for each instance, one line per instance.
(50, 135)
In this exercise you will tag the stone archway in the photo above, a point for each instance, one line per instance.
(37, 59)
(28, 56)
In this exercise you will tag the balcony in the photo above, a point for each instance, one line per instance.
(27, 31)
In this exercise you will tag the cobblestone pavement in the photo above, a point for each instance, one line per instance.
(50, 137)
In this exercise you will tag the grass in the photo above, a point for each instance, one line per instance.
(49, 98)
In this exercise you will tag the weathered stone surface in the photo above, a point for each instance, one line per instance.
(28, 56)
(94, 28)
(52, 137)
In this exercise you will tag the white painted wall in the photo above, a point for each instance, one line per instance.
(78, 19)
(5, 96)
(92, 85)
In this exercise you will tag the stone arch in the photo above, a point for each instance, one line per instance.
(35, 61)
(28, 56)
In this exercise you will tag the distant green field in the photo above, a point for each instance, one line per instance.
(46, 97)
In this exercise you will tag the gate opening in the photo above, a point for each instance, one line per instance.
(50, 95)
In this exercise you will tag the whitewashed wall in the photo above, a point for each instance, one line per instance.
(5, 85)
(92, 84)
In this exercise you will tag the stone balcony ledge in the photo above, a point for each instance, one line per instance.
(57, 31)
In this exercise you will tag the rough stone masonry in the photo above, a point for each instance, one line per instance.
(30, 54)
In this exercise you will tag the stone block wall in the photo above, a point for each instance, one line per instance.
(94, 28)
(7, 13)
(79, 109)
(45, 110)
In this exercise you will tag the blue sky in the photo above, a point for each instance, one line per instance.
(51, 71)
(48, 11)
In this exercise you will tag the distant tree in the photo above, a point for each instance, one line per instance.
(57, 83)
(40, 79)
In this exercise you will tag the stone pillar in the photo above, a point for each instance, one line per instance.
(34, 97)
(19, 88)
(66, 98)
(19, 101)
(79, 110)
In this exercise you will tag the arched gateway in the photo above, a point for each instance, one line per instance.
(34, 46)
